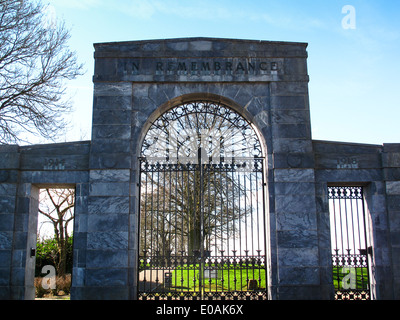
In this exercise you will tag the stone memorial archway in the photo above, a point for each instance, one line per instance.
(136, 83)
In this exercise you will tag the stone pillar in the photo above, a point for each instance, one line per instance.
(297, 246)
(9, 164)
(80, 239)
(18, 224)
(108, 209)
(24, 241)
(391, 167)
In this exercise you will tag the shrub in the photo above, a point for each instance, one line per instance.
(47, 254)
(40, 291)
(62, 284)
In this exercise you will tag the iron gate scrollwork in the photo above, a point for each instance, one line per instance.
(349, 243)
(202, 227)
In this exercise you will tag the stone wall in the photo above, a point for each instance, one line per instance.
(134, 83)
(23, 170)
(376, 169)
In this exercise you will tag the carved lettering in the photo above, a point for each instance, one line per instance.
(170, 66)
(240, 67)
(181, 66)
(54, 164)
(135, 66)
(347, 163)
(263, 66)
(252, 67)
(206, 67)
(159, 66)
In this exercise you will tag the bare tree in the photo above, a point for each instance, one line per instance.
(35, 62)
(58, 206)
(172, 208)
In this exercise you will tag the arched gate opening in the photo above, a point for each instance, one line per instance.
(202, 206)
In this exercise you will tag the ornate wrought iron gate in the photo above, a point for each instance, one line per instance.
(349, 243)
(202, 207)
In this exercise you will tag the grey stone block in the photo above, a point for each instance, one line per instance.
(348, 175)
(306, 292)
(79, 277)
(8, 189)
(295, 203)
(109, 146)
(393, 202)
(291, 145)
(107, 222)
(299, 276)
(391, 160)
(296, 221)
(293, 257)
(107, 240)
(9, 148)
(100, 293)
(293, 131)
(294, 175)
(117, 89)
(393, 187)
(391, 174)
(293, 188)
(4, 281)
(109, 189)
(72, 148)
(7, 205)
(80, 241)
(289, 116)
(106, 259)
(328, 147)
(297, 239)
(9, 160)
(112, 117)
(6, 240)
(107, 204)
(5, 264)
(293, 160)
(106, 277)
(391, 147)
(110, 161)
(56, 177)
(288, 102)
(122, 102)
(111, 175)
(6, 222)
(290, 89)
(111, 132)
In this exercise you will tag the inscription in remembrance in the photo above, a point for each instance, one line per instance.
(173, 66)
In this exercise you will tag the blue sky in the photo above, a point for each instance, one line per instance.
(354, 73)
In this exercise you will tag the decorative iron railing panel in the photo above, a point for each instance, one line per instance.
(349, 243)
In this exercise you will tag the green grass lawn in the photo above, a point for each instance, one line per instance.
(186, 278)
(341, 277)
